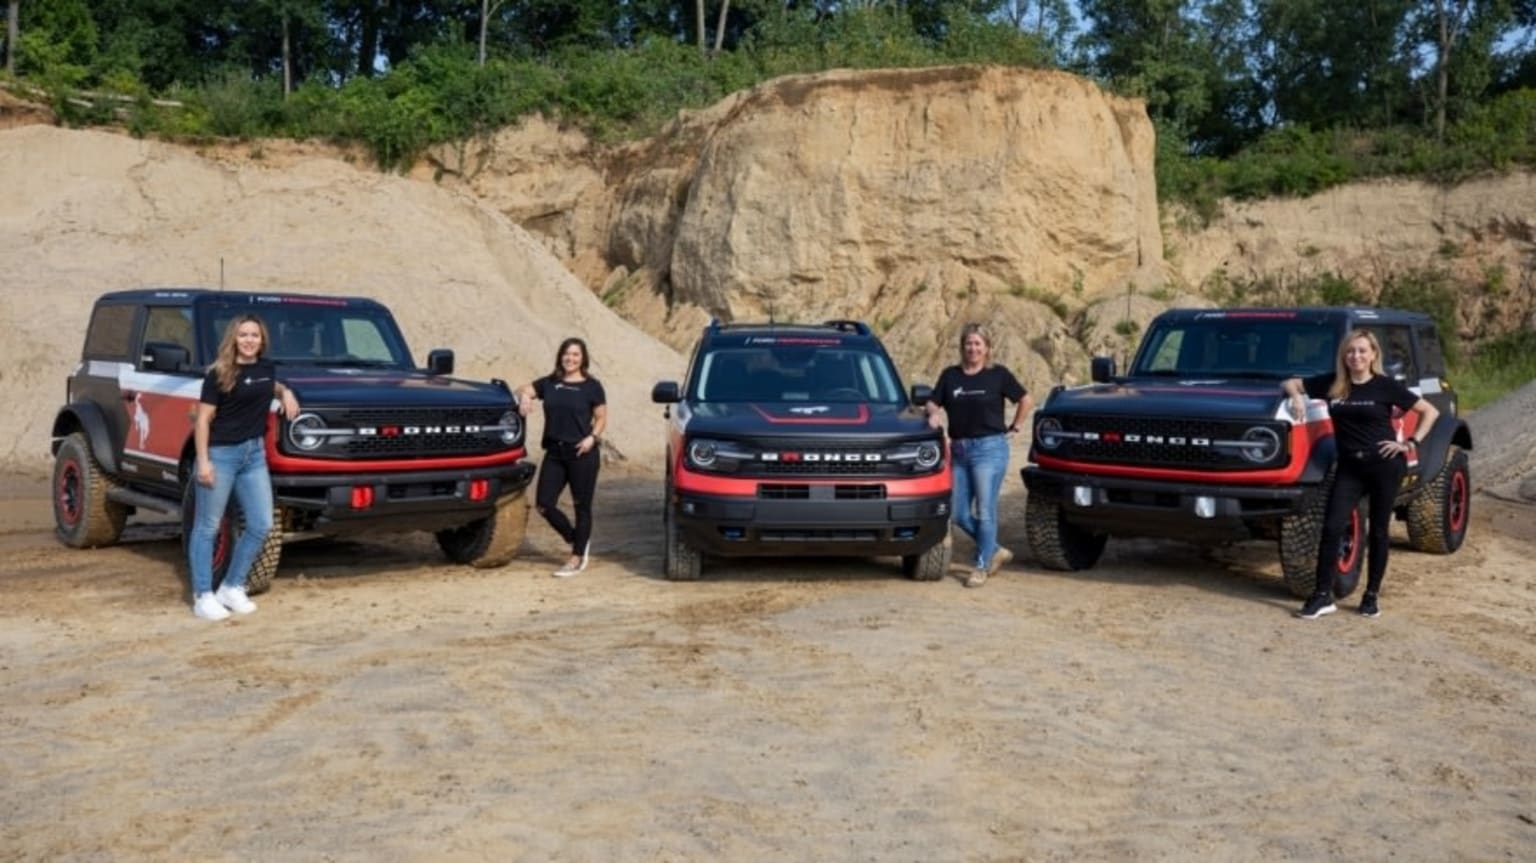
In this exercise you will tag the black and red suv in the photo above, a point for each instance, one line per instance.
(381, 444)
(1196, 442)
(799, 440)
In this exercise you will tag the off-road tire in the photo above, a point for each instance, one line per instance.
(1056, 543)
(1438, 517)
(1301, 537)
(680, 561)
(263, 568)
(491, 541)
(932, 564)
(83, 517)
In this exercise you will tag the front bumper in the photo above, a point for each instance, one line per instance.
(1182, 510)
(818, 525)
(404, 500)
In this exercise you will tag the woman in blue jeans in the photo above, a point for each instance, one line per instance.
(972, 395)
(230, 436)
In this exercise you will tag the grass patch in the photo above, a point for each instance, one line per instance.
(1497, 367)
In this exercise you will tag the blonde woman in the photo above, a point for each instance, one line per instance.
(972, 396)
(1371, 460)
(230, 435)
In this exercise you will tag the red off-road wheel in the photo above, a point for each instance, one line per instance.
(263, 569)
(1301, 537)
(1438, 517)
(83, 516)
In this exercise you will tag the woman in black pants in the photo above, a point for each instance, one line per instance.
(1371, 460)
(575, 414)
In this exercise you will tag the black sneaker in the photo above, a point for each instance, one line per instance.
(1317, 605)
(1368, 606)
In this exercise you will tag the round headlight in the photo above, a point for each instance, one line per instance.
(1045, 433)
(702, 453)
(928, 455)
(302, 431)
(511, 427)
(1261, 444)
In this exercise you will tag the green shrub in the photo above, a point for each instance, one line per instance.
(1495, 368)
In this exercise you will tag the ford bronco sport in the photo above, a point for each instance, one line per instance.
(380, 444)
(1196, 442)
(799, 440)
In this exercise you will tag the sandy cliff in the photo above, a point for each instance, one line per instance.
(87, 211)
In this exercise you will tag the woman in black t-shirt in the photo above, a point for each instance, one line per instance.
(972, 396)
(229, 433)
(1371, 460)
(575, 414)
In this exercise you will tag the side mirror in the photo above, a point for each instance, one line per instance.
(921, 394)
(1102, 369)
(440, 362)
(165, 357)
(666, 393)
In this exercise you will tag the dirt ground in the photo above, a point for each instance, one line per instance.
(382, 705)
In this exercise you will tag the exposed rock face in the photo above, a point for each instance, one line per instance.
(1481, 233)
(914, 199)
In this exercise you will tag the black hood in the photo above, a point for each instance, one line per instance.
(343, 386)
(825, 420)
(1237, 398)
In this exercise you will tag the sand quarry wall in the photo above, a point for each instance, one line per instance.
(85, 212)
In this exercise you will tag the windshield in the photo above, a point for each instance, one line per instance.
(1236, 347)
(317, 331)
(782, 371)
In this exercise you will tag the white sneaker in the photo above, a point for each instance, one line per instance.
(234, 599)
(585, 551)
(569, 570)
(208, 607)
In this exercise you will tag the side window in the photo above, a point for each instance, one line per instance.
(1397, 353)
(171, 325)
(1429, 351)
(110, 336)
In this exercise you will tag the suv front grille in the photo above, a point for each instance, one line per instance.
(1160, 442)
(413, 432)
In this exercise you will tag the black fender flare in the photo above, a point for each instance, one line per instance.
(1442, 436)
(88, 418)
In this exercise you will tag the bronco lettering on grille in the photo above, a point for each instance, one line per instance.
(823, 457)
(403, 431)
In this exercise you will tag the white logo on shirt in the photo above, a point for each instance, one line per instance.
(962, 391)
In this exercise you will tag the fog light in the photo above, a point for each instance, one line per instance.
(1082, 495)
(362, 496)
(1205, 506)
(479, 489)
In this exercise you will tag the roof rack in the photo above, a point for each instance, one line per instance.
(845, 325)
(841, 325)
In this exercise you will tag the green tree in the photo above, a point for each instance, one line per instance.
(57, 41)
(1324, 63)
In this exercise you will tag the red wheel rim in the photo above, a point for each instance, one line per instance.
(1349, 546)
(1456, 507)
(68, 493)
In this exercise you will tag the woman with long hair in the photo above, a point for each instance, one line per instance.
(972, 395)
(1371, 460)
(575, 414)
(229, 433)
